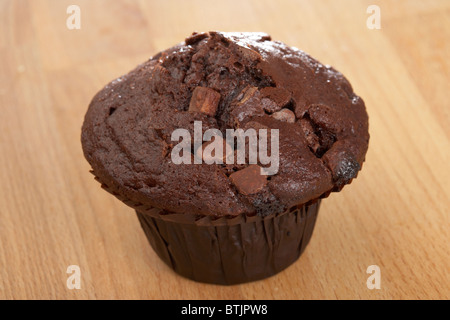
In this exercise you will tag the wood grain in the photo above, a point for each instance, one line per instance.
(53, 214)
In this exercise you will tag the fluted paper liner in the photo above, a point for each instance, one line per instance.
(227, 250)
(231, 254)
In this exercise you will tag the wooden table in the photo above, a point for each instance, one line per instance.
(53, 214)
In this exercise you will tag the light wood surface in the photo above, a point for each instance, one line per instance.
(53, 214)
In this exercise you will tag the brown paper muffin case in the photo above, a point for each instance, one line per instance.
(226, 250)
(232, 254)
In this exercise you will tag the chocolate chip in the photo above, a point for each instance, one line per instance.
(247, 104)
(277, 98)
(249, 54)
(343, 165)
(246, 94)
(346, 170)
(204, 100)
(265, 37)
(285, 115)
(196, 37)
(160, 74)
(319, 138)
(249, 180)
(311, 137)
(269, 106)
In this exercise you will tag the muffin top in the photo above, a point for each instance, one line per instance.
(226, 81)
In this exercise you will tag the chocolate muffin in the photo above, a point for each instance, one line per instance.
(229, 222)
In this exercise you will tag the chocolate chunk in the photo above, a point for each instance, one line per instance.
(346, 170)
(160, 74)
(342, 164)
(269, 106)
(249, 180)
(246, 105)
(246, 94)
(249, 54)
(285, 115)
(196, 37)
(275, 99)
(317, 133)
(311, 137)
(204, 100)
